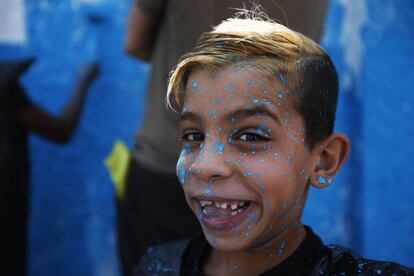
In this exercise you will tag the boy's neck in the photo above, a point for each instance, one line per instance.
(257, 260)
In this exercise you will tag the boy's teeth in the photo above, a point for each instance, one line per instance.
(205, 203)
(234, 213)
(222, 205)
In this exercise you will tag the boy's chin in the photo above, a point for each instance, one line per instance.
(230, 243)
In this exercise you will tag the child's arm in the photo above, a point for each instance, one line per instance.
(140, 34)
(60, 128)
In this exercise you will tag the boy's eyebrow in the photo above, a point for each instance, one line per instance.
(252, 112)
(237, 114)
(190, 116)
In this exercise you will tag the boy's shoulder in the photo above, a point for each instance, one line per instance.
(163, 259)
(343, 261)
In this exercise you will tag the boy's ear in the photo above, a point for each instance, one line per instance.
(330, 156)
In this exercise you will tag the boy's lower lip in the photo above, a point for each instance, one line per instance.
(228, 223)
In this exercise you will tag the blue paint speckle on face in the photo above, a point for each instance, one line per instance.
(228, 86)
(280, 95)
(282, 79)
(247, 233)
(250, 215)
(180, 170)
(195, 86)
(286, 122)
(260, 130)
(250, 83)
(182, 176)
(248, 173)
(186, 149)
(252, 218)
(266, 101)
(218, 130)
(213, 241)
(230, 136)
(322, 180)
(208, 191)
(255, 101)
(219, 147)
(199, 215)
(281, 249)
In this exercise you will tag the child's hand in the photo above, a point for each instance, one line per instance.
(88, 73)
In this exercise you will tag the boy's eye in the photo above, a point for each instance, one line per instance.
(193, 136)
(251, 137)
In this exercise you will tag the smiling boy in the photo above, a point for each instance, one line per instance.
(259, 103)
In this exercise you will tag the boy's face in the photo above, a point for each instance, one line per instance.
(244, 165)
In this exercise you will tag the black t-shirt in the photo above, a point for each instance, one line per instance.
(14, 167)
(301, 262)
(311, 258)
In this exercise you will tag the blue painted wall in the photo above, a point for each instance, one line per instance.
(369, 208)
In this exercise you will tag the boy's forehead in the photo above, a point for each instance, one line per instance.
(236, 87)
(229, 74)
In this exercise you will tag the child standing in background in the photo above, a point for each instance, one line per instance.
(18, 117)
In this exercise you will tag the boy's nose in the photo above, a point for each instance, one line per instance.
(210, 164)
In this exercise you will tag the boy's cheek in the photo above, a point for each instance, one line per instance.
(182, 168)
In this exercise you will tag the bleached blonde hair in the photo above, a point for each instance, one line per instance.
(259, 40)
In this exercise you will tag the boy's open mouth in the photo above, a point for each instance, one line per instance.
(223, 209)
(224, 215)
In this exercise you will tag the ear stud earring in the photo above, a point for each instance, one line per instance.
(324, 180)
